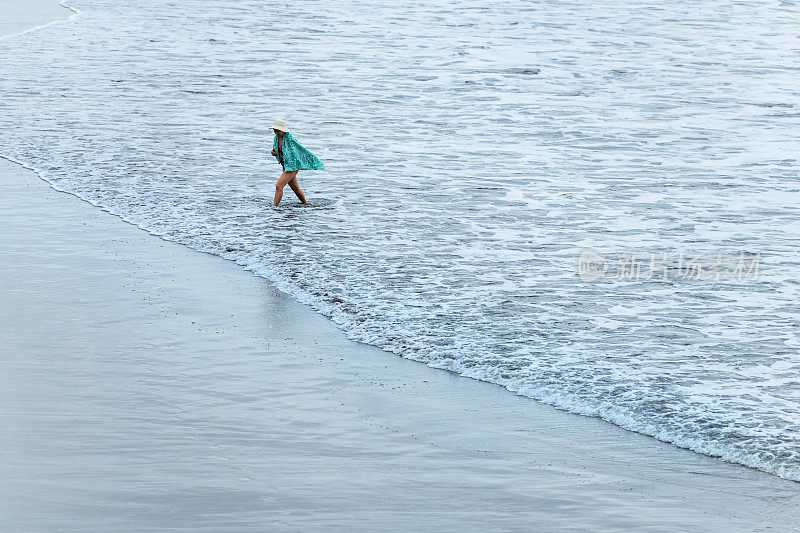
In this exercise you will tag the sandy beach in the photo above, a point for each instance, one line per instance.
(147, 386)
(23, 15)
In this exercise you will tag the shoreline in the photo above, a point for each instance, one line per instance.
(533, 379)
(25, 17)
(94, 297)
(195, 391)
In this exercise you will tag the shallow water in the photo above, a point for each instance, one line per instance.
(472, 152)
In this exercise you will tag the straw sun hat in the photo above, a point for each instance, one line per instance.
(280, 124)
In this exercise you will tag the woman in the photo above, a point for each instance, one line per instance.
(292, 157)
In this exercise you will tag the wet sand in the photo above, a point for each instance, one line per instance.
(144, 385)
(22, 15)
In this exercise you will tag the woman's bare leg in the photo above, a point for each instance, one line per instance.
(285, 178)
(295, 185)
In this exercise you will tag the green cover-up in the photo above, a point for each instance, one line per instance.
(295, 157)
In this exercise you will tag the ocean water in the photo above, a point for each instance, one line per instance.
(474, 152)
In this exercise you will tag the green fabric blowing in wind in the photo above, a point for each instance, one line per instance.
(295, 157)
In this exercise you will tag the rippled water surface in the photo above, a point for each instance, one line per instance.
(472, 152)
